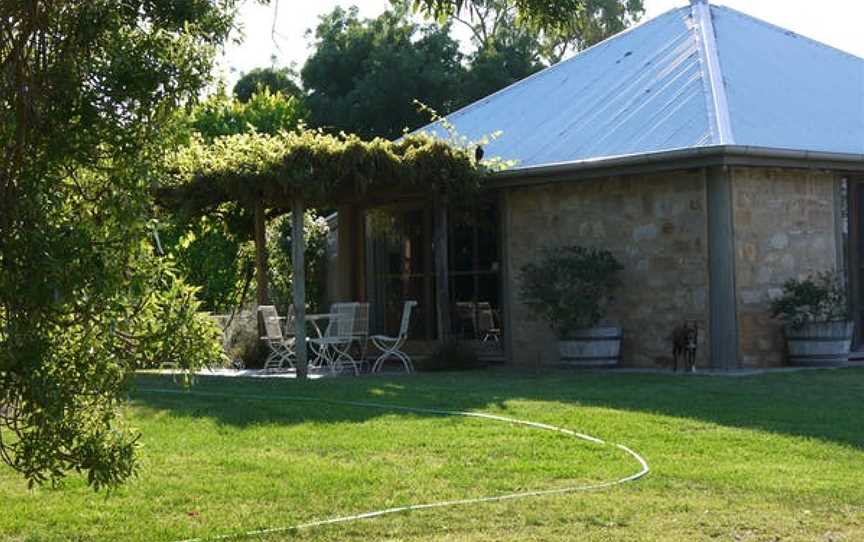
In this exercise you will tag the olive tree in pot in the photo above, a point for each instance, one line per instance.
(571, 289)
(816, 316)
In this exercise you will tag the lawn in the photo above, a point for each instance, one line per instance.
(770, 458)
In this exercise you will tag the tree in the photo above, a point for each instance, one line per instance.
(209, 251)
(265, 111)
(557, 18)
(364, 75)
(498, 63)
(214, 252)
(87, 90)
(281, 80)
(526, 25)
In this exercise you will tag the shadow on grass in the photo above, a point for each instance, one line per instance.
(824, 405)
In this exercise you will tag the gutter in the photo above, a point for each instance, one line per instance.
(698, 157)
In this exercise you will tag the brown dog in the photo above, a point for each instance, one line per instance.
(685, 341)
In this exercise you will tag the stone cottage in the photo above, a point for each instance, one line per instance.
(716, 155)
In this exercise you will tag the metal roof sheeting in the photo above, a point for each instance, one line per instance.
(786, 91)
(652, 89)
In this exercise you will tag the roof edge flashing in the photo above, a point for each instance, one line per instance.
(722, 153)
(701, 10)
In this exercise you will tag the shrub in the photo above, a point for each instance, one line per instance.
(241, 342)
(281, 271)
(818, 298)
(570, 287)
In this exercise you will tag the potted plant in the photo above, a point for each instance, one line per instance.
(571, 289)
(816, 315)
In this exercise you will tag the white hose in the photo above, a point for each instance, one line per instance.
(644, 469)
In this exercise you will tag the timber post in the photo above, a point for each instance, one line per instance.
(442, 279)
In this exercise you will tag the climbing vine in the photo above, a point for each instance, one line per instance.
(322, 168)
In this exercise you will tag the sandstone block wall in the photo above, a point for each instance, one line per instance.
(654, 224)
(784, 227)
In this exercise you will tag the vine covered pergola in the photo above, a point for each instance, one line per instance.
(292, 171)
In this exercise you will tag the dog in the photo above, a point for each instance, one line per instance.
(685, 341)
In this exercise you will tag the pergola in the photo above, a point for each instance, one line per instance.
(293, 171)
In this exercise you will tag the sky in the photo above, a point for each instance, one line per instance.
(278, 32)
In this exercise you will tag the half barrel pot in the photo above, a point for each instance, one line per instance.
(594, 347)
(822, 343)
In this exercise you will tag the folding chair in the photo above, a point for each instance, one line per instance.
(281, 347)
(391, 347)
(487, 324)
(333, 347)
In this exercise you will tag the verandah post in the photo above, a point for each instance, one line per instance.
(298, 264)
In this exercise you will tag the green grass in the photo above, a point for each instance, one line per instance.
(770, 458)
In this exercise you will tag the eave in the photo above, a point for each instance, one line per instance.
(679, 159)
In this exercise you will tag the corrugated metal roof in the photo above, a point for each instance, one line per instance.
(787, 91)
(696, 76)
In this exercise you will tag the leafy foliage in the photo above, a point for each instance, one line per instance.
(281, 270)
(504, 24)
(817, 298)
(214, 251)
(365, 74)
(275, 80)
(86, 93)
(212, 256)
(559, 18)
(322, 168)
(263, 112)
(498, 66)
(570, 287)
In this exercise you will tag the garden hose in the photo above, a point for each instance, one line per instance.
(643, 470)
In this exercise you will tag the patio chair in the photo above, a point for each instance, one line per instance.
(281, 346)
(391, 347)
(487, 324)
(332, 348)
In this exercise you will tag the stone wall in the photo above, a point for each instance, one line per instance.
(654, 224)
(784, 227)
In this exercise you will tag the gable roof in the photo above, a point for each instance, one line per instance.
(694, 77)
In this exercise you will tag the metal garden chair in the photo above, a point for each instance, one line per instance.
(487, 325)
(391, 347)
(282, 347)
(332, 348)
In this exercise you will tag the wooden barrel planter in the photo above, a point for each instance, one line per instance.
(595, 347)
(824, 343)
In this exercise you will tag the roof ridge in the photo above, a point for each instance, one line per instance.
(713, 73)
(786, 31)
(554, 67)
